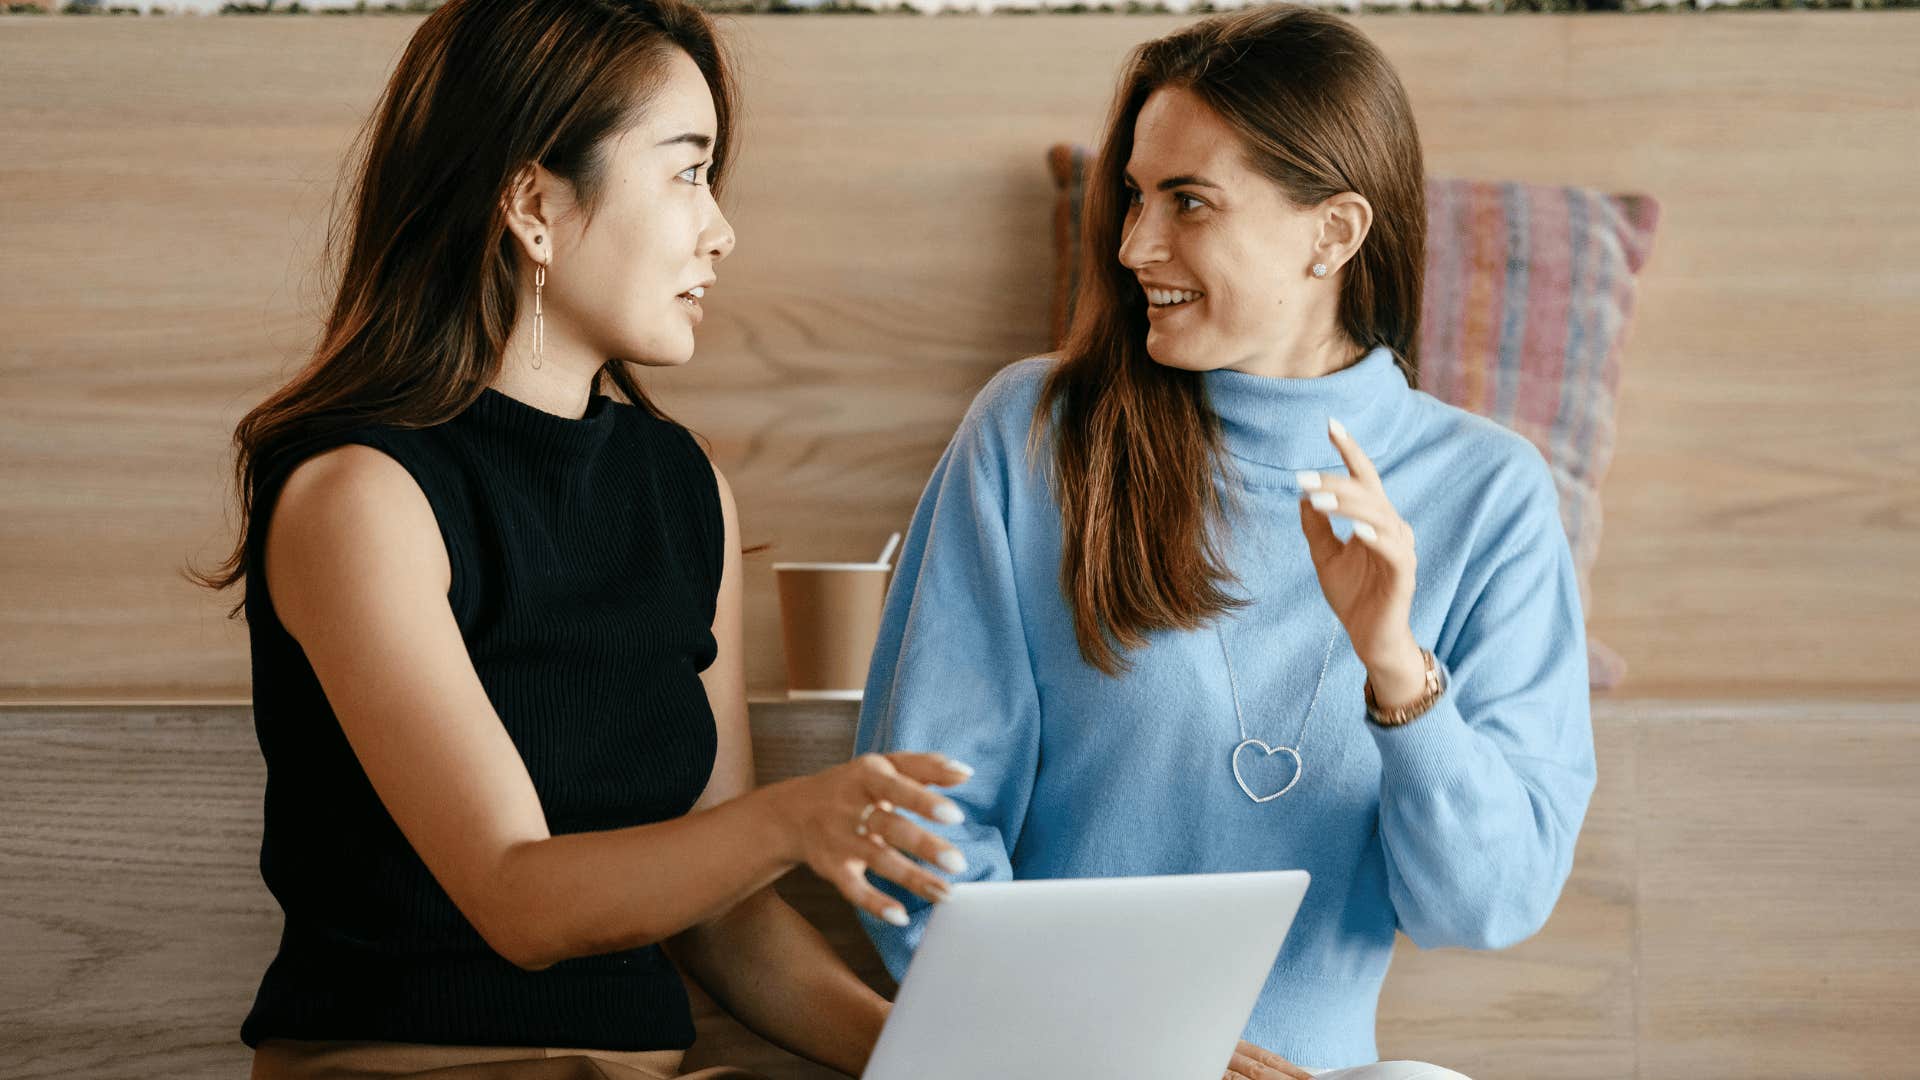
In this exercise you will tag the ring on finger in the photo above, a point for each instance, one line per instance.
(867, 812)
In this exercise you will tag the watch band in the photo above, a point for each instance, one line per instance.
(1436, 684)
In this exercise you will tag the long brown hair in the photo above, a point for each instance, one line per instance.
(1136, 444)
(426, 295)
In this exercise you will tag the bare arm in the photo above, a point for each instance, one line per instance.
(359, 576)
(777, 975)
(763, 960)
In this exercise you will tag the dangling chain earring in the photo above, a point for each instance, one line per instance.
(539, 317)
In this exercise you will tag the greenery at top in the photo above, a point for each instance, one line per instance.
(1016, 8)
(266, 7)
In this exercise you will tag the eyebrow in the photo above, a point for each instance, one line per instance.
(702, 141)
(1172, 182)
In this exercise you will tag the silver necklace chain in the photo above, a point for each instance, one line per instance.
(1233, 686)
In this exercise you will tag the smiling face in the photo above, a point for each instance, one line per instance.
(627, 284)
(1222, 256)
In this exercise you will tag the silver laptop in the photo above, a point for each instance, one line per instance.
(1150, 977)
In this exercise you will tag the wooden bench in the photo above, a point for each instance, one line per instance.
(1740, 904)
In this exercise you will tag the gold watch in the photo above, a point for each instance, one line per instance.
(1435, 686)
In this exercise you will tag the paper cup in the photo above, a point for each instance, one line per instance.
(829, 620)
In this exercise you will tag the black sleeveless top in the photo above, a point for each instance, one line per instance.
(586, 558)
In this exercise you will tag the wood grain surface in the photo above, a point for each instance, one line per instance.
(166, 180)
(1740, 903)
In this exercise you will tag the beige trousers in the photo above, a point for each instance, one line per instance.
(293, 1059)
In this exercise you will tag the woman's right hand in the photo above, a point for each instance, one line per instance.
(1251, 1062)
(831, 829)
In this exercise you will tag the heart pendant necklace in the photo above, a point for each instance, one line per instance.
(1299, 766)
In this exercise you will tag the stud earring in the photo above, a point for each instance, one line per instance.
(1319, 269)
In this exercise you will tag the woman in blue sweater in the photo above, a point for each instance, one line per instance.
(1217, 588)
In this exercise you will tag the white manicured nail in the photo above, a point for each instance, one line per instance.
(897, 916)
(1307, 479)
(1324, 500)
(952, 862)
(948, 814)
(1365, 531)
(960, 767)
(1336, 427)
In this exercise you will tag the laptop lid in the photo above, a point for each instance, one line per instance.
(1150, 977)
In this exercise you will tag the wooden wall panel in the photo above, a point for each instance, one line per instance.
(1776, 909)
(165, 180)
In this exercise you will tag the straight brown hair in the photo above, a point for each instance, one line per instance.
(426, 295)
(1135, 444)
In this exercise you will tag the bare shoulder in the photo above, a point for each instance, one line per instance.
(341, 493)
(726, 489)
(348, 520)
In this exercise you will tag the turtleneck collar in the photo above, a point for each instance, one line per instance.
(1282, 422)
(538, 428)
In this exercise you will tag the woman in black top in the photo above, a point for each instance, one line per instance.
(495, 614)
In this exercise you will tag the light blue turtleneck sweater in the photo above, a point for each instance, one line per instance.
(1457, 828)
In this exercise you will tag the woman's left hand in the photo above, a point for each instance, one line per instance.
(1368, 580)
(1251, 1062)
